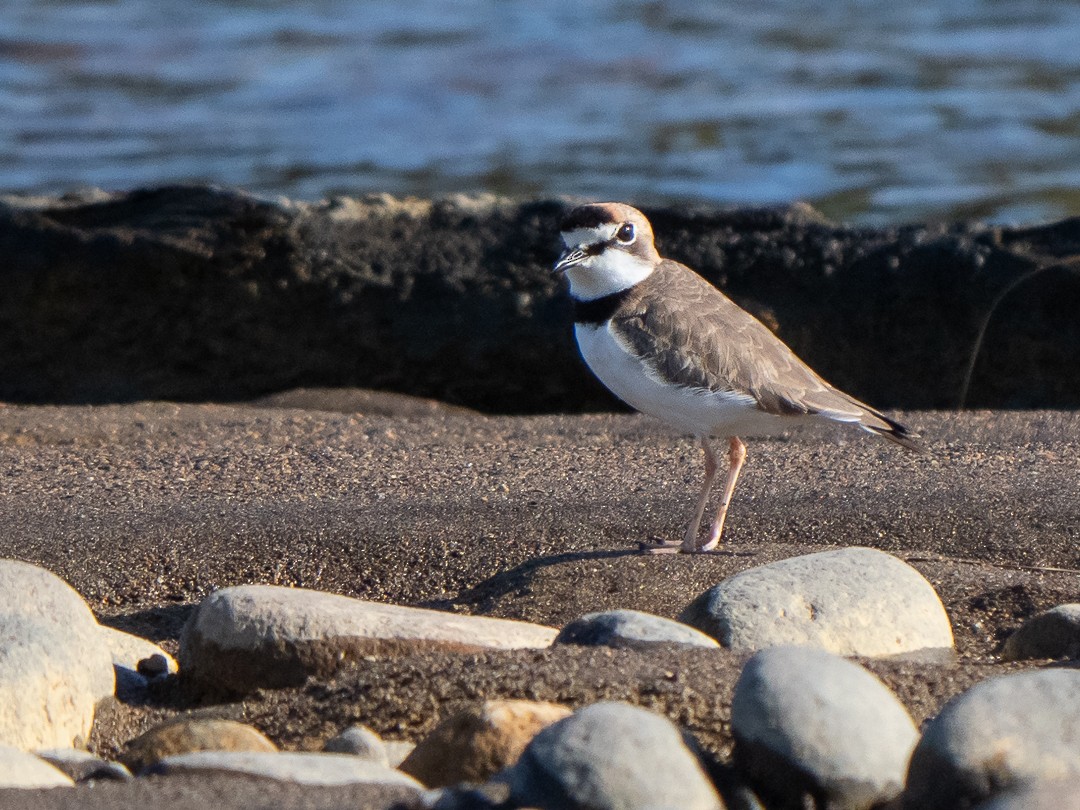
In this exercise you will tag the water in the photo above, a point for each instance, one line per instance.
(875, 111)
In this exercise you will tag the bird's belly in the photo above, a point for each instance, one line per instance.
(689, 410)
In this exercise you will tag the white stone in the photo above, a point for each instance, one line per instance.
(1003, 733)
(807, 722)
(359, 741)
(630, 628)
(18, 769)
(852, 601)
(300, 767)
(128, 650)
(54, 665)
(265, 635)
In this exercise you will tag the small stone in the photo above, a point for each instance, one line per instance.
(360, 741)
(192, 734)
(852, 601)
(397, 751)
(18, 769)
(811, 726)
(82, 766)
(54, 665)
(129, 651)
(1003, 733)
(251, 636)
(610, 756)
(630, 628)
(156, 665)
(473, 745)
(302, 768)
(1054, 633)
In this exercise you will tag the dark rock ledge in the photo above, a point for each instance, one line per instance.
(207, 294)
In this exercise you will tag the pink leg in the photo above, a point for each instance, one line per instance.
(689, 541)
(736, 458)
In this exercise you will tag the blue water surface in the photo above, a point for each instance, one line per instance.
(875, 111)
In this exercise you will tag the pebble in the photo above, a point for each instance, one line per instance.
(250, 636)
(360, 741)
(54, 668)
(630, 628)
(1054, 633)
(474, 744)
(19, 769)
(610, 756)
(1002, 733)
(303, 768)
(852, 601)
(808, 723)
(187, 734)
(130, 651)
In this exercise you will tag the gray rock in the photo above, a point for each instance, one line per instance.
(610, 756)
(82, 766)
(809, 723)
(852, 601)
(1006, 732)
(360, 741)
(1054, 633)
(472, 297)
(630, 628)
(1057, 794)
(253, 636)
(397, 751)
(18, 769)
(301, 768)
(54, 665)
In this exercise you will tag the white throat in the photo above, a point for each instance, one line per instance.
(611, 272)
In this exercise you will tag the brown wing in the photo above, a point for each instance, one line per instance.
(691, 334)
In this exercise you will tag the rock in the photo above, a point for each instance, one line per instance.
(130, 652)
(810, 726)
(469, 287)
(54, 665)
(82, 766)
(302, 768)
(474, 744)
(853, 601)
(253, 636)
(18, 769)
(397, 751)
(1003, 733)
(630, 628)
(610, 756)
(360, 741)
(1058, 794)
(358, 400)
(188, 734)
(1054, 633)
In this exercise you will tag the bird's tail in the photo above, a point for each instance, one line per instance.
(878, 423)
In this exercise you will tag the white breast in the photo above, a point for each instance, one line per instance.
(689, 410)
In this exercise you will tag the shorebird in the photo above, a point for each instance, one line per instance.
(669, 344)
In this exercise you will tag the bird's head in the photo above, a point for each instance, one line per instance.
(608, 248)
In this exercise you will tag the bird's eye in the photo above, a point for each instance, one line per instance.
(626, 234)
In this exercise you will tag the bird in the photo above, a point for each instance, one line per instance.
(671, 345)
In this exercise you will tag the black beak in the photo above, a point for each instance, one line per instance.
(568, 259)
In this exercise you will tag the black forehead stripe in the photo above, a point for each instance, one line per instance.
(586, 217)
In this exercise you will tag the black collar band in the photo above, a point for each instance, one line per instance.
(599, 310)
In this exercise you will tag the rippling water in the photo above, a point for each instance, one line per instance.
(873, 110)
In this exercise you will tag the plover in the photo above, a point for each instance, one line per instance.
(671, 345)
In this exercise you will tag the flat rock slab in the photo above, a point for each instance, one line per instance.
(18, 769)
(1006, 732)
(300, 768)
(250, 636)
(808, 723)
(852, 601)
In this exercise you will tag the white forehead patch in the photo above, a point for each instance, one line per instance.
(589, 236)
